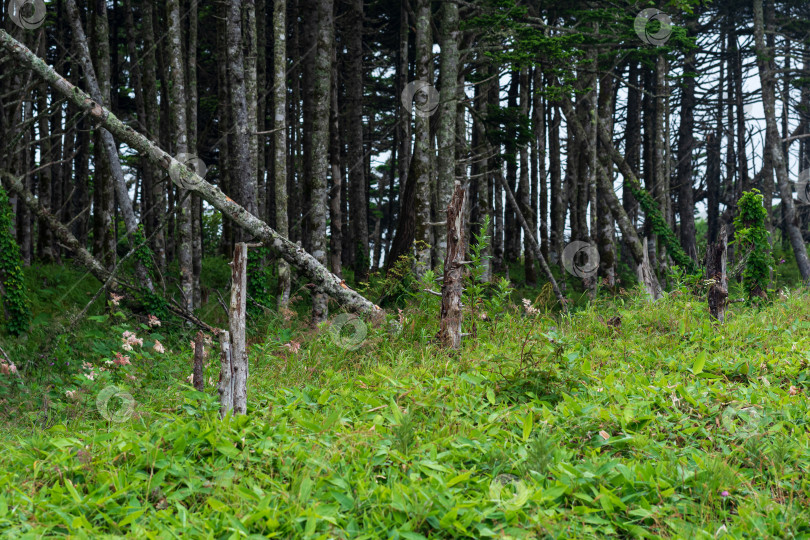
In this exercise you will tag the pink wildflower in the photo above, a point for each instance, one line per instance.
(121, 360)
(293, 346)
(115, 299)
(152, 321)
(158, 347)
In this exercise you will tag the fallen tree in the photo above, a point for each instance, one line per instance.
(110, 280)
(185, 178)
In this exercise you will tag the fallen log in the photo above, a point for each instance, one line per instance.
(323, 280)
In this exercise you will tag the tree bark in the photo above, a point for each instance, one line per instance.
(320, 147)
(199, 356)
(716, 272)
(280, 139)
(446, 135)
(452, 285)
(177, 92)
(686, 140)
(109, 145)
(185, 177)
(358, 203)
(237, 312)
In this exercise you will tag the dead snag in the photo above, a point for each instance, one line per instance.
(225, 388)
(646, 276)
(199, 355)
(237, 321)
(450, 324)
(716, 257)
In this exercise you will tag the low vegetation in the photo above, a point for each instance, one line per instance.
(621, 418)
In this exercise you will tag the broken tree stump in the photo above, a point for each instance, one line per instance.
(646, 276)
(225, 388)
(716, 258)
(199, 356)
(452, 284)
(236, 321)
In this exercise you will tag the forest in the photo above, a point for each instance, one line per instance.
(407, 270)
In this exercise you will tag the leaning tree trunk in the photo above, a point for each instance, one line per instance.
(186, 178)
(766, 76)
(538, 255)
(110, 148)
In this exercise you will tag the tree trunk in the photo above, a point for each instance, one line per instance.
(420, 172)
(242, 167)
(101, 95)
(686, 197)
(446, 135)
(336, 189)
(452, 285)
(280, 139)
(535, 246)
(320, 147)
(716, 273)
(177, 92)
(766, 75)
(237, 312)
(358, 203)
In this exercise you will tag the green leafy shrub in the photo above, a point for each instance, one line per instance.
(15, 296)
(752, 238)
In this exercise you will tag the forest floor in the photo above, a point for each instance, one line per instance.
(623, 418)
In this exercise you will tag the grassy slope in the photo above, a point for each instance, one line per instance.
(566, 428)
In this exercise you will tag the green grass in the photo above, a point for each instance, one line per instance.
(543, 426)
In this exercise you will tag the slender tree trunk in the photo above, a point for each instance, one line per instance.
(686, 198)
(335, 190)
(178, 95)
(421, 170)
(320, 146)
(358, 203)
(242, 166)
(195, 205)
(280, 138)
(524, 190)
(157, 194)
(446, 136)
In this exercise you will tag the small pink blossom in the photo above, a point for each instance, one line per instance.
(190, 379)
(158, 347)
(293, 346)
(71, 395)
(152, 321)
(115, 299)
(129, 339)
(724, 493)
(8, 369)
(121, 360)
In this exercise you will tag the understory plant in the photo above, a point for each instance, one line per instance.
(12, 285)
(751, 237)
